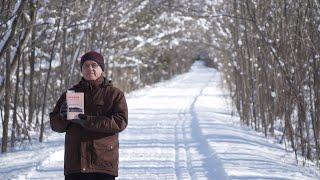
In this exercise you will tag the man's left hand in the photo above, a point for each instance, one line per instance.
(81, 120)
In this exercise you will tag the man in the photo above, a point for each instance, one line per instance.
(91, 142)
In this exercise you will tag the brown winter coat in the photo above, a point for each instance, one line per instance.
(95, 146)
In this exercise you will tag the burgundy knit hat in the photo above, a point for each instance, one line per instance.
(93, 56)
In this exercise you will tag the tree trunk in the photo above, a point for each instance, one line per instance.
(32, 60)
(47, 80)
(288, 125)
(5, 122)
(24, 107)
(301, 122)
(15, 121)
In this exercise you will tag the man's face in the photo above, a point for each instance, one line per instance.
(91, 70)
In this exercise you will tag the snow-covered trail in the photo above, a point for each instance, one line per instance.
(178, 129)
(164, 140)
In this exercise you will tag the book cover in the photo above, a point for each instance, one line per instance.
(75, 102)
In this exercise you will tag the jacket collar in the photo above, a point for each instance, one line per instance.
(92, 84)
(86, 85)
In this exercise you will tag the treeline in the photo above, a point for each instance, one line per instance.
(270, 55)
(42, 41)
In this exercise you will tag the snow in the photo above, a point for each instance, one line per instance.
(239, 42)
(51, 21)
(203, 23)
(178, 129)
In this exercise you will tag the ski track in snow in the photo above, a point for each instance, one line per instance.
(178, 129)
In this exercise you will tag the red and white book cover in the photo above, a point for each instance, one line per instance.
(75, 102)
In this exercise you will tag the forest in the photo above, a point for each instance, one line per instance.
(268, 52)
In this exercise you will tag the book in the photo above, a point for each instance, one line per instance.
(75, 103)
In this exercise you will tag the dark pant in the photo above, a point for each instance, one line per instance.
(89, 176)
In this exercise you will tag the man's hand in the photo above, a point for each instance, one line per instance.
(81, 120)
(83, 116)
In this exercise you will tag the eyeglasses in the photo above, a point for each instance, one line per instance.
(93, 66)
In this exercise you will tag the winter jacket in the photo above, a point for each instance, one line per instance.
(93, 147)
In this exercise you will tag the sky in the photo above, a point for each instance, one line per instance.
(182, 128)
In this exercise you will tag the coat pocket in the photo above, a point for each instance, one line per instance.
(105, 153)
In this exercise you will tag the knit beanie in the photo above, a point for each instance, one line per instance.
(93, 56)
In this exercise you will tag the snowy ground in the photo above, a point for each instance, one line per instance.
(178, 129)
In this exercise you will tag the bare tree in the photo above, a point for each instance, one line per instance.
(273, 66)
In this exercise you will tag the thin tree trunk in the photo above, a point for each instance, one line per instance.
(316, 104)
(5, 122)
(15, 122)
(313, 100)
(32, 59)
(288, 125)
(47, 80)
(24, 107)
(301, 122)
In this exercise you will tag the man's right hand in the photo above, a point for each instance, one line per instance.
(64, 109)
